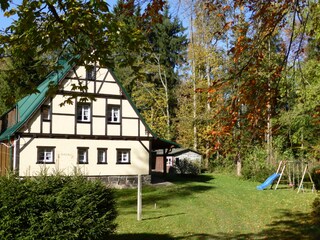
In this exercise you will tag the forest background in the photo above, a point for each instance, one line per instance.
(240, 84)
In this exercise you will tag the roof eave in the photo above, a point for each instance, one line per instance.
(59, 75)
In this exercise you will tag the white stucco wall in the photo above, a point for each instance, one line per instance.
(66, 157)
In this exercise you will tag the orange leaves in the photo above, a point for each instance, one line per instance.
(153, 11)
(200, 90)
(215, 132)
(278, 72)
(217, 145)
(205, 90)
(225, 130)
(243, 103)
(240, 39)
(225, 8)
(212, 90)
(228, 25)
(241, 45)
(209, 7)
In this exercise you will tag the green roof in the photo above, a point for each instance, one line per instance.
(29, 104)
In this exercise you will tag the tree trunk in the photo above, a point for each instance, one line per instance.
(195, 139)
(164, 82)
(269, 124)
(239, 164)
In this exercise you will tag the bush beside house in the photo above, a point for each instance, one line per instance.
(187, 166)
(315, 214)
(315, 174)
(55, 207)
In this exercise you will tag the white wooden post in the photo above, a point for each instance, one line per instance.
(284, 166)
(139, 199)
(301, 182)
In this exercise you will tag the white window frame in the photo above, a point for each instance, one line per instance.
(82, 155)
(123, 156)
(84, 112)
(45, 155)
(104, 159)
(113, 114)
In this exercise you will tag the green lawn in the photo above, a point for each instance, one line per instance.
(215, 207)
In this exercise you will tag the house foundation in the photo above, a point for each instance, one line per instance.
(123, 181)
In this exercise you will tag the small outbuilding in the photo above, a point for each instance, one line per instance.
(169, 160)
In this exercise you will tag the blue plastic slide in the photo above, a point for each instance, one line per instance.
(269, 181)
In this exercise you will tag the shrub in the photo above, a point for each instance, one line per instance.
(255, 166)
(315, 174)
(186, 166)
(222, 163)
(55, 207)
(315, 214)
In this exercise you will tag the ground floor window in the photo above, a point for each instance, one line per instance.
(45, 155)
(83, 155)
(102, 155)
(123, 156)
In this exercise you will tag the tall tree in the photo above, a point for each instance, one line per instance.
(205, 61)
(259, 62)
(299, 119)
(152, 77)
(245, 95)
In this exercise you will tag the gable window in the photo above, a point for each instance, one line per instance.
(83, 112)
(45, 155)
(90, 73)
(123, 156)
(46, 113)
(83, 155)
(102, 155)
(113, 114)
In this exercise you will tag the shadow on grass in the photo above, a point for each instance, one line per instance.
(142, 236)
(152, 194)
(165, 197)
(185, 178)
(290, 226)
(162, 216)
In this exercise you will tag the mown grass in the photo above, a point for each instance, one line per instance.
(215, 207)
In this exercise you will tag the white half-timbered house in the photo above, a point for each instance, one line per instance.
(104, 137)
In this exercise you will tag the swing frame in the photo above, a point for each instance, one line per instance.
(303, 166)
